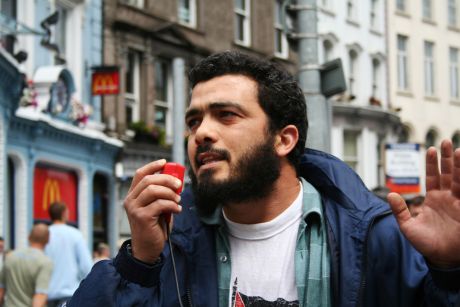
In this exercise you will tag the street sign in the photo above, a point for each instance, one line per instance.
(403, 168)
(332, 78)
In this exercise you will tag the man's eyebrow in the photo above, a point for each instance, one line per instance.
(213, 106)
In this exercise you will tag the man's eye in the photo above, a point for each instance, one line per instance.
(227, 114)
(192, 124)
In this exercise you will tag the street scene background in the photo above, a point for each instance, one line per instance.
(92, 90)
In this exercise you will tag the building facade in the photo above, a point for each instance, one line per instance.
(55, 147)
(363, 119)
(425, 69)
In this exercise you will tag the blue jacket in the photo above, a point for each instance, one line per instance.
(372, 264)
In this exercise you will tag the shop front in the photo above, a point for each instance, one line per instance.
(49, 155)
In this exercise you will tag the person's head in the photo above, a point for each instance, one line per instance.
(39, 235)
(247, 121)
(102, 250)
(278, 93)
(58, 212)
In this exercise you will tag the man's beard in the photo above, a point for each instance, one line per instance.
(251, 178)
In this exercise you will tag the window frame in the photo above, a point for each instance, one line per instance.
(401, 6)
(452, 13)
(192, 13)
(279, 32)
(168, 103)
(429, 67)
(349, 159)
(245, 13)
(132, 99)
(454, 73)
(403, 63)
(427, 10)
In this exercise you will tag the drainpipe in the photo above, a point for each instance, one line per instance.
(318, 109)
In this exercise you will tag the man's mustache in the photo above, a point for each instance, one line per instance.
(207, 148)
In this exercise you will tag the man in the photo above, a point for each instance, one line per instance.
(268, 223)
(26, 274)
(70, 255)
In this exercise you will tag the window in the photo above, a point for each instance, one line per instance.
(186, 11)
(281, 44)
(403, 135)
(242, 22)
(456, 140)
(163, 93)
(403, 78)
(431, 138)
(374, 15)
(454, 72)
(351, 10)
(401, 5)
(350, 148)
(429, 68)
(376, 78)
(352, 71)
(328, 51)
(452, 13)
(132, 86)
(427, 10)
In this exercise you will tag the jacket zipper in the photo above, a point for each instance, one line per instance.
(188, 291)
(362, 286)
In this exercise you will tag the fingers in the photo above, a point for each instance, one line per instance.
(447, 165)
(148, 169)
(456, 174)
(399, 208)
(432, 170)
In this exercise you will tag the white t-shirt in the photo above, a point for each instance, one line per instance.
(262, 256)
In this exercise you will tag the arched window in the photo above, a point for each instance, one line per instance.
(431, 138)
(403, 135)
(456, 140)
(328, 49)
(352, 71)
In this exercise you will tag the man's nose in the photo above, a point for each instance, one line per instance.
(206, 131)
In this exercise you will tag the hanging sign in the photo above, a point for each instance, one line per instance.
(105, 80)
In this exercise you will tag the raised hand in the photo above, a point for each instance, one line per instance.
(435, 231)
(150, 195)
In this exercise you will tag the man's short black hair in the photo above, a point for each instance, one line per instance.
(279, 94)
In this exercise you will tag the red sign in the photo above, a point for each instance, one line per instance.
(105, 82)
(52, 185)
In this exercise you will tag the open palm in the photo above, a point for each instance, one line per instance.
(435, 231)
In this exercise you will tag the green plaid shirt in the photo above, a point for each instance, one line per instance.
(311, 255)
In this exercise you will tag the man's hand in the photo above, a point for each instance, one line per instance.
(150, 195)
(435, 232)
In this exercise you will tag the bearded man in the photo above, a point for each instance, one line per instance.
(270, 223)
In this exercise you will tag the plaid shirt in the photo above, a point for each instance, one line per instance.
(311, 255)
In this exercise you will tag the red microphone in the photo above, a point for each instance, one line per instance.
(178, 171)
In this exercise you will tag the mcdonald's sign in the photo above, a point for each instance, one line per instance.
(105, 80)
(52, 185)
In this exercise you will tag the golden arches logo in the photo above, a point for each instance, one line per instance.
(51, 192)
(103, 83)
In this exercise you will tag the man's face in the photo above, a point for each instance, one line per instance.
(231, 153)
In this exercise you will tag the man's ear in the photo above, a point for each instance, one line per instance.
(286, 140)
